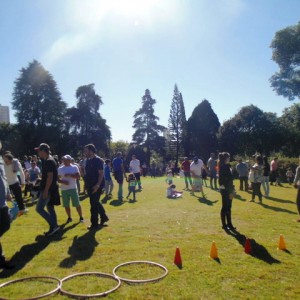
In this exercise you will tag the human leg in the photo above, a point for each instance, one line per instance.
(298, 201)
(16, 189)
(40, 209)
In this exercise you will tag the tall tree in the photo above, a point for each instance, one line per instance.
(251, 130)
(85, 122)
(286, 53)
(36, 98)
(203, 126)
(147, 131)
(177, 126)
(40, 111)
(290, 122)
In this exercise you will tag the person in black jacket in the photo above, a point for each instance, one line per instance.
(226, 189)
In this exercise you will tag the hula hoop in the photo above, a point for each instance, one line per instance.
(103, 294)
(144, 280)
(30, 278)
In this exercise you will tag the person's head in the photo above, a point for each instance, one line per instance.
(172, 186)
(186, 159)
(43, 150)
(8, 158)
(224, 158)
(259, 160)
(67, 160)
(119, 154)
(195, 159)
(107, 161)
(33, 164)
(212, 155)
(89, 150)
(131, 176)
(133, 157)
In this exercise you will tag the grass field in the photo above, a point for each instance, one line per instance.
(151, 229)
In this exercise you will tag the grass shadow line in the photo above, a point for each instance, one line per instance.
(278, 209)
(207, 201)
(116, 202)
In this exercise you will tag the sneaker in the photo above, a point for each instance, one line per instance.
(81, 219)
(52, 231)
(104, 220)
(69, 220)
(93, 227)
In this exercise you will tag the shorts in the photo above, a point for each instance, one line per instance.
(70, 194)
(119, 177)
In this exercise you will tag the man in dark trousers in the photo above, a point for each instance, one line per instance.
(94, 183)
(4, 215)
(49, 195)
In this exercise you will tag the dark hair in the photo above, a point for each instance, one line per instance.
(259, 159)
(107, 161)
(222, 158)
(9, 156)
(90, 147)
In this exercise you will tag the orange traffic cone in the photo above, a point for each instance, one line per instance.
(281, 244)
(248, 248)
(213, 251)
(177, 259)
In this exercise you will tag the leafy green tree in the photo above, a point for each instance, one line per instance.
(147, 131)
(36, 98)
(286, 53)
(251, 130)
(40, 110)
(203, 126)
(85, 122)
(177, 126)
(290, 122)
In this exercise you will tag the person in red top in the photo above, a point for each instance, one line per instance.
(185, 166)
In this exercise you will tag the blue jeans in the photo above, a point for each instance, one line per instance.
(266, 185)
(49, 215)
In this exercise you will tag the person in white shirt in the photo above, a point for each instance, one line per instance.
(67, 176)
(135, 167)
(12, 166)
(196, 171)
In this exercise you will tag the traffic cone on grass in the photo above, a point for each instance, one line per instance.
(214, 251)
(281, 244)
(248, 248)
(177, 259)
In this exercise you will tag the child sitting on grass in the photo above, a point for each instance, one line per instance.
(172, 193)
(131, 185)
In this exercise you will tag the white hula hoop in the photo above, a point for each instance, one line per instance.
(90, 295)
(143, 280)
(32, 278)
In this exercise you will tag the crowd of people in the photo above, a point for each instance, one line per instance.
(49, 180)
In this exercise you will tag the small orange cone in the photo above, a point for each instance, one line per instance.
(281, 244)
(248, 248)
(177, 259)
(213, 251)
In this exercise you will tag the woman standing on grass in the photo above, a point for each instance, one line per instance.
(226, 189)
(297, 186)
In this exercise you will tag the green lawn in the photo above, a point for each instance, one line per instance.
(151, 229)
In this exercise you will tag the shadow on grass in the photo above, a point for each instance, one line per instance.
(81, 249)
(239, 197)
(207, 201)
(278, 209)
(280, 200)
(28, 252)
(258, 251)
(116, 202)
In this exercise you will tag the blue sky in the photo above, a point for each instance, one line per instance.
(213, 49)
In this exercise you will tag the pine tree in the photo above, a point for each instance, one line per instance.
(146, 128)
(177, 126)
(203, 126)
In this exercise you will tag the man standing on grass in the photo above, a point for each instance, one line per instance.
(94, 182)
(196, 171)
(119, 173)
(4, 215)
(49, 195)
(135, 167)
(67, 175)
